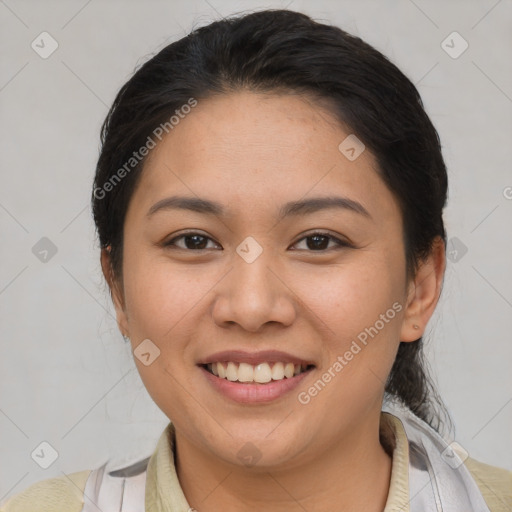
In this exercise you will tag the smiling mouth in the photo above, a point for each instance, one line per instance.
(262, 373)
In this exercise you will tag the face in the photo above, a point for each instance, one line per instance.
(322, 285)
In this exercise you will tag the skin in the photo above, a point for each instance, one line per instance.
(252, 153)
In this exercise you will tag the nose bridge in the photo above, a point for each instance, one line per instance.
(253, 296)
(251, 275)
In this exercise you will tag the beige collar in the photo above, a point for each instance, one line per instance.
(398, 496)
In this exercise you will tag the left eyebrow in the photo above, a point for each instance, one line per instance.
(293, 208)
(322, 203)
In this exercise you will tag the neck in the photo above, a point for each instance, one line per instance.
(352, 475)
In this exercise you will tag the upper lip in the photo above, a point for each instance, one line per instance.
(254, 358)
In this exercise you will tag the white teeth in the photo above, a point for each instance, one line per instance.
(278, 371)
(245, 372)
(231, 372)
(261, 373)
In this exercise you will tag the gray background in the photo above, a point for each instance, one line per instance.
(66, 376)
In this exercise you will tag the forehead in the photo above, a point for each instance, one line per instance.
(246, 149)
(246, 124)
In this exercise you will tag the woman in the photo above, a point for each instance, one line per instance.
(269, 200)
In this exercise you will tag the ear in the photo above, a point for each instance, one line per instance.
(423, 292)
(116, 292)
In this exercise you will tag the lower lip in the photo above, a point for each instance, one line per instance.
(251, 393)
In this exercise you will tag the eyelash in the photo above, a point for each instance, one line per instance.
(340, 243)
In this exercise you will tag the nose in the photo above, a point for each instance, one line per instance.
(254, 294)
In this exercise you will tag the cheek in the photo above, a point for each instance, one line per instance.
(358, 307)
(159, 295)
(160, 299)
(352, 296)
(358, 313)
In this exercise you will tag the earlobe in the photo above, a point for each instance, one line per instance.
(115, 293)
(423, 294)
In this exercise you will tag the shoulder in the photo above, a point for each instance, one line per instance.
(494, 483)
(51, 495)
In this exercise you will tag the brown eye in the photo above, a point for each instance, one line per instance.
(319, 242)
(191, 241)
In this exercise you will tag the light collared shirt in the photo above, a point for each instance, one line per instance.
(152, 484)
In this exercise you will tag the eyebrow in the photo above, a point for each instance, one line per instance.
(293, 208)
